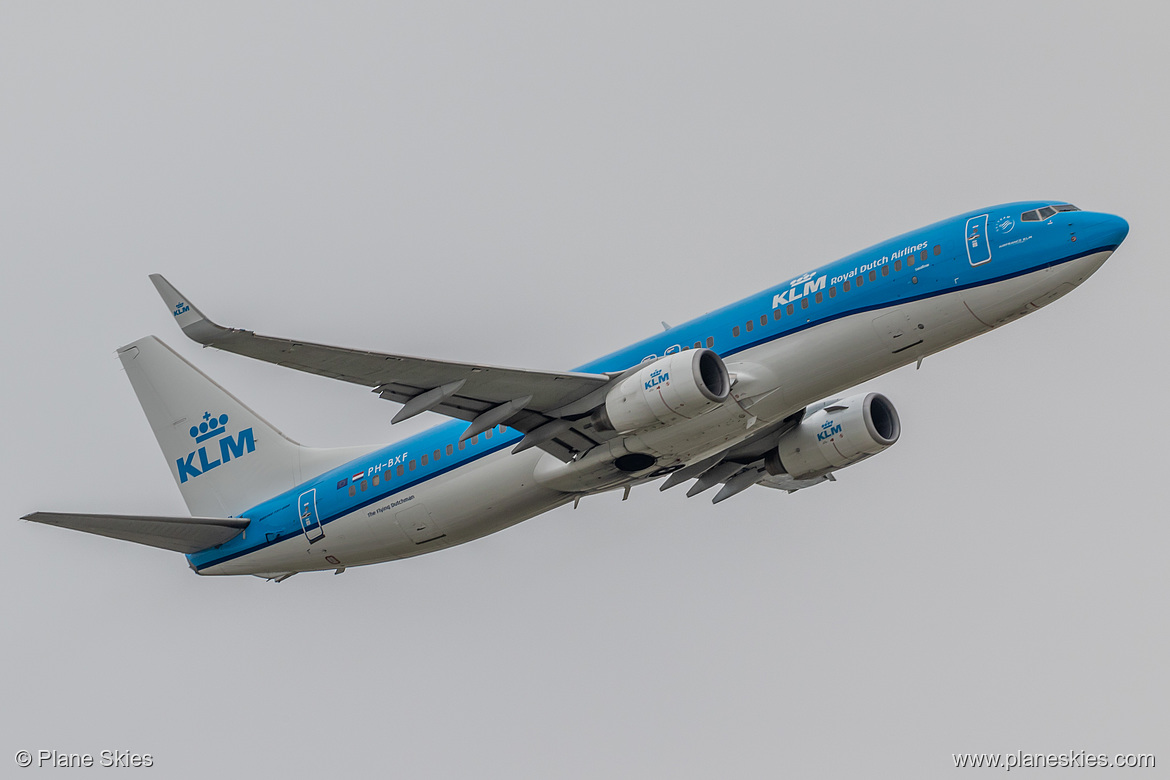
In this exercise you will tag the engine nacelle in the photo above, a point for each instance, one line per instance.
(676, 387)
(840, 434)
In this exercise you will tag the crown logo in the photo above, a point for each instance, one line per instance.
(209, 428)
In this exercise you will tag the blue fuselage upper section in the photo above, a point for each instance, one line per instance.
(967, 251)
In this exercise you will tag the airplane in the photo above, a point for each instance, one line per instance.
(742, 396)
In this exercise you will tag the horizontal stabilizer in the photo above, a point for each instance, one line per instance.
(181, 534)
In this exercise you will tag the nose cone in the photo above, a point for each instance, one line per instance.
(1108, 230)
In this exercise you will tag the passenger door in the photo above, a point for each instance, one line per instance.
(978, 246)
(310, 522)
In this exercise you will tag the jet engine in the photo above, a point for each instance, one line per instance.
(675, 387)
(840, 434)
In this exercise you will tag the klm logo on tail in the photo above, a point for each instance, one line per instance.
(206, 433)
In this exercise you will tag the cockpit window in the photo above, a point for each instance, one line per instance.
(1038, 215)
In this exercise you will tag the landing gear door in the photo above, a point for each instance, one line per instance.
(310, 522)
(978, 249)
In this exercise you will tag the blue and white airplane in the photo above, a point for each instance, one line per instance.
(731, 399)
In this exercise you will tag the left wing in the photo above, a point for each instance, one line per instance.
(541, 404)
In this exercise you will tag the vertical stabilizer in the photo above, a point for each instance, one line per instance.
(224, 457)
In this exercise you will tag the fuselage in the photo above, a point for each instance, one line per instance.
(788, 346)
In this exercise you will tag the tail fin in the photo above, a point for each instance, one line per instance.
(224, 457)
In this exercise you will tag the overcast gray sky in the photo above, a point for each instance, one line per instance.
(536, 185)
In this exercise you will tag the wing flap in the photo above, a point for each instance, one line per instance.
(181, 534)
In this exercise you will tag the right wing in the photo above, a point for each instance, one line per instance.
(545, 405)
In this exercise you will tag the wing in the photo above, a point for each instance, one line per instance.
(541, 404)
(181, 534)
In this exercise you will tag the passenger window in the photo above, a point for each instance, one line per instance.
(413, 465)
(804, 303)
(401, 470)
(789, 309)
(897, 265)
(775, 314)
(710, 341)
(425, 460)
(450, 450)
(845, 286)
(735, 332)
(475, 439)
(833, 292)
(860, 281)
(763, 320)
(352, 490)
(698, 345)
(488, 433)
(365, 485)
(436, 455)
(885, 270)
(820, 298)
(937, 251)
(376, 480)
(873, 276)
(749, 326)
(462, 444)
